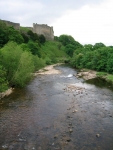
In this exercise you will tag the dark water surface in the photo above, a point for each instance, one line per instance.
(58, 112)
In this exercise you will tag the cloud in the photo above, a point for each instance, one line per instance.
(20, 11)
(41, 11)
(89, 24)
(88, 21)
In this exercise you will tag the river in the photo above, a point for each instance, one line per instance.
(58, 112)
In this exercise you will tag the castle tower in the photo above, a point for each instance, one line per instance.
(44, 29)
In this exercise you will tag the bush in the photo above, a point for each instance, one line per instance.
(18, 64)
(25, 68)
(10, 58)
(3, 81)
(38, 62)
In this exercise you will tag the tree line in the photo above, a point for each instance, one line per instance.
(96, 57)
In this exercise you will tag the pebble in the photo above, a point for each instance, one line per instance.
(68, 140)
(68, 117)
(4, 146)
(70, 130)
(70, 124)
(98, 135)
(75, 111)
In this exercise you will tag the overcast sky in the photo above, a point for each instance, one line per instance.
(88, 21)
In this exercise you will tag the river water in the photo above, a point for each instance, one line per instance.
(58, 112)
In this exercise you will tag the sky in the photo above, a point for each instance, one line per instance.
(87, 21)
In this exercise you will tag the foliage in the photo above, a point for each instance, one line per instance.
(10, 54)
(66, 39)
(53, 52)
(70, 44)
(3, 34)
(33, 36)
(9, 33)
(25, 47)
(25, 37)
(14, 35)
(42, 39)
(100, 59)
(34, 48)
(3, 81)
(98, 45)
(25, 67)
(17, 63)
(56, 38)
(38, 62)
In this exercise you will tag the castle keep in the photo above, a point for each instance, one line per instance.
(44, 29)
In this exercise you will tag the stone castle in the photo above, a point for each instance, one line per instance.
(44, 29)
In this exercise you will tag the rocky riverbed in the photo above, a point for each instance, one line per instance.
(57, 111)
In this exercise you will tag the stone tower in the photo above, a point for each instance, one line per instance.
(44, 29)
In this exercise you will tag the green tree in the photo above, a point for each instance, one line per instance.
(69, 49)
(25, 37)
(24, 70)
(42, 39)
(88, 47)
(3, 34)
(66, 39)
(34, 48)
(10, 57)
(33, 36)
(70, 44)
(98, 45)
(3, 81)
(38, 62)
(14, 35)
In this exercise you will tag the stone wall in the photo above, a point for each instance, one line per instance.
(15, 25)
(44, 29)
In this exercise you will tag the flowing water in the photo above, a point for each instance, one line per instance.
(58, 112)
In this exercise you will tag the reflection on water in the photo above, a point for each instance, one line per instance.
(100, 83)
(54, 112)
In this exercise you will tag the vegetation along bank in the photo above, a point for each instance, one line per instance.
(23, 52)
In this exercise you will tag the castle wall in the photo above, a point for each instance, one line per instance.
(15, 25)
(44, 29)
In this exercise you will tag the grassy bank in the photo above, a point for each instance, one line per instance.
(107, 77)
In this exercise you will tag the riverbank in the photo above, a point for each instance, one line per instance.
(91, 74)
(46, 70)
(6, 93)
(86, 74)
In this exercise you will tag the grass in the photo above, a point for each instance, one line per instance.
(26, 29)
(106, 76)
(100, 74)
(110, 78)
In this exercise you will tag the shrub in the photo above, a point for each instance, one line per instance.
(3, 81)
